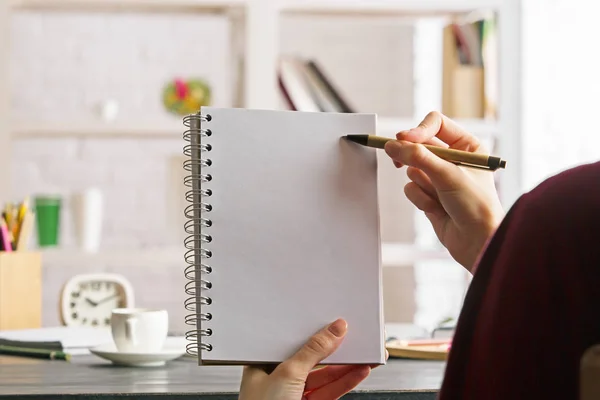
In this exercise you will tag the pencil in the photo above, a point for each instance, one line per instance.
(35, 353)
(5, 242)
(25, 231)
(464, 158)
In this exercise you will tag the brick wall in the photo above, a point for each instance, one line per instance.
(132, 174)
(64, 65)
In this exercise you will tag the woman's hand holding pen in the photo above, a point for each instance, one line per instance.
(461, 204)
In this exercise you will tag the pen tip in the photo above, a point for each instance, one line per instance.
(360, 139)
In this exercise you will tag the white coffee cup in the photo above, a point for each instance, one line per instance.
(139, 330)
(88, 212)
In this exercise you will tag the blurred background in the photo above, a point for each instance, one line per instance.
(92, 94)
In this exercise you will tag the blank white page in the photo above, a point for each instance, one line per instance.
(295, 235)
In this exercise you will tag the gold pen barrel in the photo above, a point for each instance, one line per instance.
(465, 158)
(377, 141)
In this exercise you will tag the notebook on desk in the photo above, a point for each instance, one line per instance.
(283, 226)
(73, 339)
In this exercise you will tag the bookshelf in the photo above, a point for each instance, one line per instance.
(23, 129)
(393, 255)
(255, 25)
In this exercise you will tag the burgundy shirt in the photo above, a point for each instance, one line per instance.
(533, 306)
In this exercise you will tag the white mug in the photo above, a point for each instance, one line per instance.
(139, 330)
(88, 212)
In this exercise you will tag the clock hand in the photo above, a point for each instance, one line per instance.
(93, 303)
(108, 298)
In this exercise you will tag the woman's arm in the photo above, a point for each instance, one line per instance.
(533, 306)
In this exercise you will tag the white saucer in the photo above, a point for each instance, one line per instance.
(109, 352)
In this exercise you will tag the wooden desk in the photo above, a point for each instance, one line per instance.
(89, 377)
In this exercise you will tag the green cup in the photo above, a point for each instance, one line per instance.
(47, 211)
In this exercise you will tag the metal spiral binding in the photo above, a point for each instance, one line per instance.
(194, 212)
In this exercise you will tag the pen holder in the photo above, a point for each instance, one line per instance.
(20, 290)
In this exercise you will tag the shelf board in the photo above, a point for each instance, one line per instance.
(66, 257)
(392, 255)
(21, 130)
(406, 255)
(386, 127)
(386, 7)
(480, 128)
(208, 6)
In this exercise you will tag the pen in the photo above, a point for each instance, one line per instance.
(464, 158)
(25, 231)
(35, 353)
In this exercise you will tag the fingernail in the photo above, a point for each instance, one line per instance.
(338, 328)
(414, 132)
(392, 148)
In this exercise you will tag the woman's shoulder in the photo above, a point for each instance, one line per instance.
(574, 188)
(538, 274)
(581, 176)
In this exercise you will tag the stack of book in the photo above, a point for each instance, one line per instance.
(59, 342)
(306, 87)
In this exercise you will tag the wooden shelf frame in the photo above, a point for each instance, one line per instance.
(25, 130)
(386, 8)
(393, 255)
(206, 6)
(325, 7)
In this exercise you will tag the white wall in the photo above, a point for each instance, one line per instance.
(4, 133)
(65, 64)
(562, 86)
(132, 175)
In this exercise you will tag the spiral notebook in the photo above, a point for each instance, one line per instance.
(283, 226)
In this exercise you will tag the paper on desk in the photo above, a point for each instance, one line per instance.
(74, 340)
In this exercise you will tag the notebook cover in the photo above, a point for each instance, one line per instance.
(295, 236)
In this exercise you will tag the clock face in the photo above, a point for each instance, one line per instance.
(89, 301)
